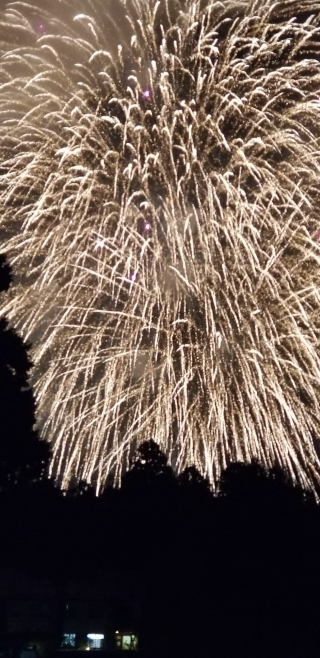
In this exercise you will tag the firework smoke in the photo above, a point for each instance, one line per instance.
(159, 190)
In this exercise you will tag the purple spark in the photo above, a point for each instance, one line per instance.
(146, 93)
(40, 27)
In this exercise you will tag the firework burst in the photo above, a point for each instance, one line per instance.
(159, 194)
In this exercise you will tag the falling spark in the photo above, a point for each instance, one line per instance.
(166, 252)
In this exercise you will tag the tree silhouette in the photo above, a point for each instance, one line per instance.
(148, 467)
(23, 456)
(193, 485)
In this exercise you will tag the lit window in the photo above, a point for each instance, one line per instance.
(69, 640)
(95, 640)
(126, 641)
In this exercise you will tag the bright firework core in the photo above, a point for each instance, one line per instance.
(159, 190)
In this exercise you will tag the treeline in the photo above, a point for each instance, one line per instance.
(231, 574)
(235, 572)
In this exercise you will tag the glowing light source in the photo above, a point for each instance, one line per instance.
(95, 636)
(95, 640)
